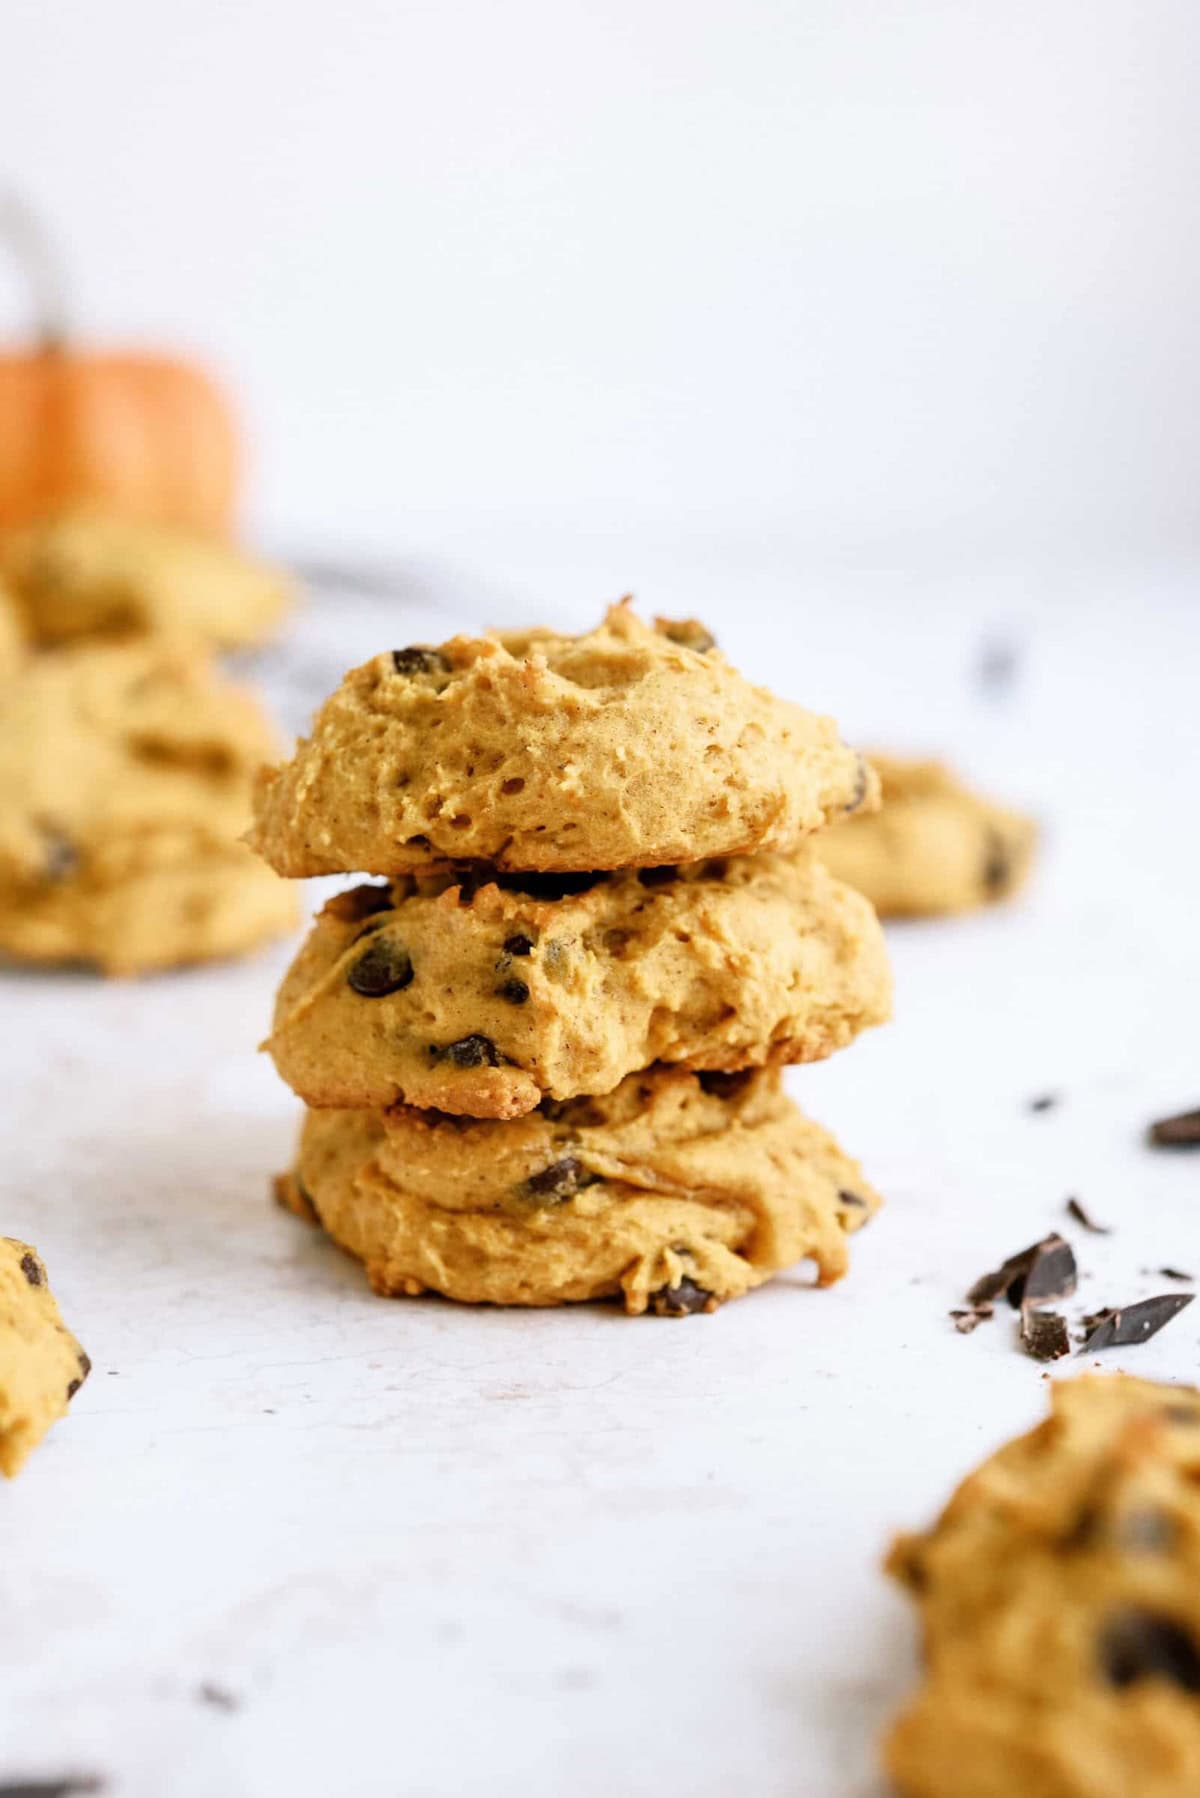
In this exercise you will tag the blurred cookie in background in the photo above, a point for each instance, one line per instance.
(12, 634)
(83, 571)
(125, 775)
(935, 848)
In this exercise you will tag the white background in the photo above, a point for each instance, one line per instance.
(861, 272)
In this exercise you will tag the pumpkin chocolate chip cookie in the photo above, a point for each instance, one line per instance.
(627, 747)
(485, 998)
(125, 776)
(90, 573)
(1060, 1602)
(675, 1192)
(935, 847)
(42, 1366)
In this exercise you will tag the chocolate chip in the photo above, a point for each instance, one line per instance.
(1180, 1132)
(681, 1300)
(1127, 1325)
(473, 1052)
(1146, 1532)
(1044, 1271)
(688, 633)
(32, 1269)
(657, 877)
(1139, 1644)
(1076, 1210)
(518, 945)
(60, 858)
(561, 1180)
(851, 1198)
(861, 776)
(85, 1368)
(997, 866)
(514, 991)
(386, 967)
(419, 659)
(1044, 1334)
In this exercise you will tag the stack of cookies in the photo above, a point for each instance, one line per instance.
(541, 1059)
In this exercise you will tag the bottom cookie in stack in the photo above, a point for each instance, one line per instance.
(674, 1192)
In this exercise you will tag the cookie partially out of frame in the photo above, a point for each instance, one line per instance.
(627, 747)
(42, 1366)
(1059, 1596)
(935, 846)
(674, 1193)
(484, 999)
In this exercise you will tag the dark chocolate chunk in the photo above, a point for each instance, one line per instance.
(1075, 1209)
(561, 1180)
(1043, 1102)
(1044, 1271)
(473, 1052)
(658, 877)
(997, 865)
(419, 659)
(1180, 1132)
(515, 991)
(31, 1268)
(688, 633)
(1044, 1334)
(384, 968)
(1127, 1325)
(682, 1300)
(1139, 1644)
(520, 944)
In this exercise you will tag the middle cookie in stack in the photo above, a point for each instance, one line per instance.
(559, 1081)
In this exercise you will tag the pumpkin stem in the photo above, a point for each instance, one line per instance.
(32, 248)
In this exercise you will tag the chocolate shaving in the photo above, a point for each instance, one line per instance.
(1180, 1132)
(1076, 1210)
(1044, 1334)
(1037, 1275)
(1126, 1325)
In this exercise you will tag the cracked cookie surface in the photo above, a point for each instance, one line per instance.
(935, 846)
(89, 573)
(626, 747)
(1059, 1596)
(41, 1365)
(673, 1193)
(125, 776)
(485, 999)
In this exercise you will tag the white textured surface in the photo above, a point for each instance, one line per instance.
(432, 1551)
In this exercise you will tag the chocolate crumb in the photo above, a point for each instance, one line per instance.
(1044, 1334)
(219, 1697)
(1139, 1644)
(1127, 1325)
(683, 1300)
(1044, 1102)
(1075, 1209)
(1179, 1132)
(31, 1268)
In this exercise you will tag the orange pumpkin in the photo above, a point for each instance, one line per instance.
(151, 436)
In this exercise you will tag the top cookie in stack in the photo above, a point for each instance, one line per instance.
(596, 866)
